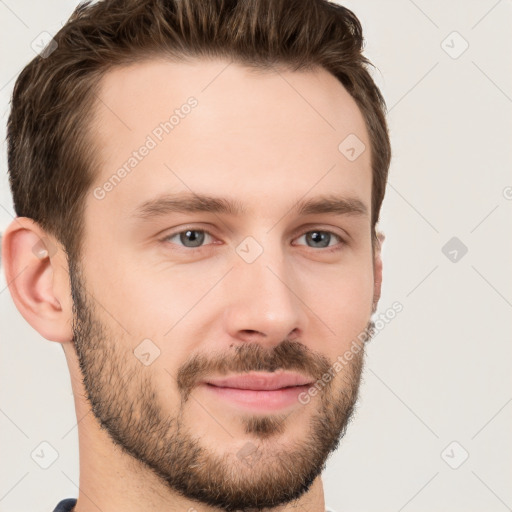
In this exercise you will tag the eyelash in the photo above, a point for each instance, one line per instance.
(335, 248)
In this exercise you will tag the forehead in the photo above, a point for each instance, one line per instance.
(214, 126)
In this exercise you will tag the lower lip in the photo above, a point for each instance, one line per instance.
(263, 400)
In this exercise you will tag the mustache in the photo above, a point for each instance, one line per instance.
(288, 355)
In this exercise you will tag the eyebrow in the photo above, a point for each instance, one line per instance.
(191, 203)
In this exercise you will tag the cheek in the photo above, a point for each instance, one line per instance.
(143, 297)
(344, 299)
(168, 306)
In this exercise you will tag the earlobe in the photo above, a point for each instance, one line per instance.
(377, 270)
(35, 268)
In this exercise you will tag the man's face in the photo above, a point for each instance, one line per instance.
(167, 299)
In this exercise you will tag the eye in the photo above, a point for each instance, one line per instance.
(322, 239)
(189, 238)
(195, 238)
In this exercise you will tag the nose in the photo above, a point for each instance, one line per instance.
(265, 303)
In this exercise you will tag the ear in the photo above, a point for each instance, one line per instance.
(377, 270)
(36, 272)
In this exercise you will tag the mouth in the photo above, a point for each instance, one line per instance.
(258, 390)
(260, 381)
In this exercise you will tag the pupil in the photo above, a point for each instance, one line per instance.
(193, 236)
(318, 236)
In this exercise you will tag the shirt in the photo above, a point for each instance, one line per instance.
(68, 504)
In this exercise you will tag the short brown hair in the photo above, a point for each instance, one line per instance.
(50, 156)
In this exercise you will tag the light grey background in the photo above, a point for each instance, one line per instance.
(440, 371)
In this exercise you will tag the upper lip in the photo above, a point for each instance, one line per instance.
(260, 381)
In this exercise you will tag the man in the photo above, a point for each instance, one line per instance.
(197, 186)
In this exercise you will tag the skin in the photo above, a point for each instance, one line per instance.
(297, 306)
